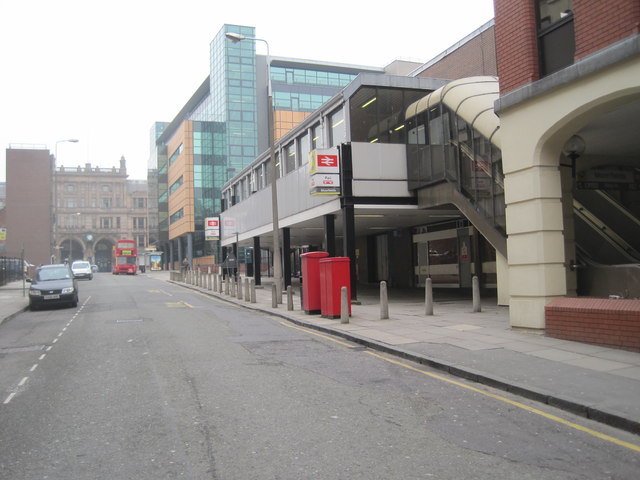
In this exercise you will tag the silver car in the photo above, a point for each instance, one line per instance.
(82, 269)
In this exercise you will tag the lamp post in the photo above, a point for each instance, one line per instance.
(71, 140)
(55, 188)
(277, 261)
(574, 148)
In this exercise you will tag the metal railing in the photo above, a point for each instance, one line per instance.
(11, 269)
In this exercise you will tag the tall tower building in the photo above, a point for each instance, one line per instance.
(223, 127)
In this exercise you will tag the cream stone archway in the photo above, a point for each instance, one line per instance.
(540, 233)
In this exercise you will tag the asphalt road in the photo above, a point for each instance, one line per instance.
(148, 380)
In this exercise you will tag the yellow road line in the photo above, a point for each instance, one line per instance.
(522, 406)
(594, 433)
(311, 332)
(179, 304)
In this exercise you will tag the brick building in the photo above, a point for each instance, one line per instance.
(569, 106)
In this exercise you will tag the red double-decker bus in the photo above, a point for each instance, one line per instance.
(124, 257)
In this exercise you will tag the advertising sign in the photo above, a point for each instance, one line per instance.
(212, 228)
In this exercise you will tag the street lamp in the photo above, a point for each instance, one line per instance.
(574, 148)
(54, 209)
(277, 261)
(71, 140)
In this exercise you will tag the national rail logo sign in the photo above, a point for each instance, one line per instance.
(212, 228)
(324, 167)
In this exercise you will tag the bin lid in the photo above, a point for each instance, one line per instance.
(334, 260)
(315, 254)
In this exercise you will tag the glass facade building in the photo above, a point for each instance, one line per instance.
(222, 129)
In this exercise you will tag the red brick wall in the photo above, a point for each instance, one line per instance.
(28, 205)
(611, 323)
(516, 43)
(599, 24)
(476, 57)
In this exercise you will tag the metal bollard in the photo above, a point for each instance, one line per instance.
(475, 283)
(226, 285)
(384, 301)
(289, 298)
(274, 296)
(239, 292)
(247, 291)
(428, 297)
(252, 287)
(344, 305)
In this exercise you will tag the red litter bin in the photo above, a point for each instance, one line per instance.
(311, 281)
(334, 274)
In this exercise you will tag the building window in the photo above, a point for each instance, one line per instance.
(177, 184)
(337, 128)
(106, 203)
(556, 37)
(138, 223)
(175, 155)
(140, 241)
(139, 202)
(303, 149)
(316, 137)
(176, 216)
(106, 188)
(70, 187)
(105, 222)
(290, 157)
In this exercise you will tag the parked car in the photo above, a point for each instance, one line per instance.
(82, 269)
(53, 285)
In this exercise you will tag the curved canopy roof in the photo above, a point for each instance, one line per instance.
(470, 98)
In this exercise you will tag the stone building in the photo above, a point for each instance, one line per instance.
(94, 207)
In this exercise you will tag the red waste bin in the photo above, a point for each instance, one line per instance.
(334, 274)
(311, 281)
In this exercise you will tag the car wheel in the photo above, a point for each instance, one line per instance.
(32, 307)
(90, 277)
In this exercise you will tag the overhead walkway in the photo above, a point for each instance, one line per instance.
(454, 157)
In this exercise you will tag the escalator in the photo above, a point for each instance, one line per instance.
(607, 246)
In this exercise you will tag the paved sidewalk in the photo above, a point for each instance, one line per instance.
(13, 299)
(596, 382)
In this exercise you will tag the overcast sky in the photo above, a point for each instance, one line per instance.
(103, 72)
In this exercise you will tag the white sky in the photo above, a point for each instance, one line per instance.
(103, 72)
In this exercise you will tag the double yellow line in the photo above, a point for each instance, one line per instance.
(555, 418)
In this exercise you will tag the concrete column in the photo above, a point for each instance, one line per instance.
(535, 243)
(330, 234)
